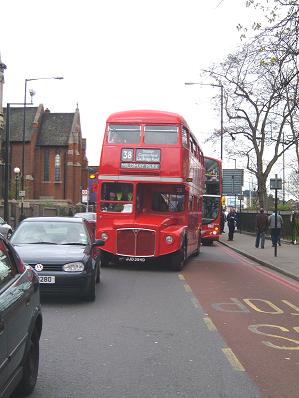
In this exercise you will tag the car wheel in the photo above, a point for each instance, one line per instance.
(91, 295)
(178, 259)
(105, 258)
(30, 366)
(9, 233)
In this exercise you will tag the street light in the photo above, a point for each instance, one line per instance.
(17, 171)
(24, 128)
(221, 109)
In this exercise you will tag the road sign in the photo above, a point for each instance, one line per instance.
(275, 183)
(22, 194)
(232, 181)
(84, 196)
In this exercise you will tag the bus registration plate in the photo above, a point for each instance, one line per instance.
(135, 259)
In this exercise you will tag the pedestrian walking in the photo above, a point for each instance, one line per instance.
(231, 223)
(275, 232)
(261, 224)
(222, 221)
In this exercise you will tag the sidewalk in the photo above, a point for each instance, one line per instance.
(286, 262)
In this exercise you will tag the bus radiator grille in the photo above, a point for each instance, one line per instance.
(136, 242)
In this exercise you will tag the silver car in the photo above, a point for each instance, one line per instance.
(5, 229)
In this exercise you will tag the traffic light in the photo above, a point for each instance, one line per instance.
(223, 201)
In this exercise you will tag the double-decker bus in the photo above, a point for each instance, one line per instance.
(150, 187)
(212, 205)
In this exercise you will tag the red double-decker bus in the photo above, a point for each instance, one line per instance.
(150, 187)
(212, 204)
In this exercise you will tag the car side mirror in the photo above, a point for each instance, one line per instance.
(98, 242)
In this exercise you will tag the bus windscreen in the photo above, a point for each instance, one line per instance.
(210, 209)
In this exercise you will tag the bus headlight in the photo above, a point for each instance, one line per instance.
(104, 236)
(73, 267)
(169, 239)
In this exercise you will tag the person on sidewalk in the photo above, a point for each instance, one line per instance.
(275, 232)
(261, 224)
(222, 221)
(231, 223)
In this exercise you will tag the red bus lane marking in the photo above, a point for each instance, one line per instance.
(256, 313)
(261, 269)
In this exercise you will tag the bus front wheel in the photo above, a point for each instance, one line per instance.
(207, 242)
(178, 258)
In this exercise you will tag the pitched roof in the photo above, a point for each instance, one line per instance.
(55, 128)
(16, 120)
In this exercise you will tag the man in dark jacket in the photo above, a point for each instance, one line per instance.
(222, 221)
(261, 225)
(231, 223)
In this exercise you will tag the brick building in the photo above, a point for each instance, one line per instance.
(56, 166)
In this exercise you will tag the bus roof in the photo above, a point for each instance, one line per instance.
(146, 116)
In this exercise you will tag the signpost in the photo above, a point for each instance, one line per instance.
(276, 184)
(232, 182)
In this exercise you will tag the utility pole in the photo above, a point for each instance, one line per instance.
(2, 69)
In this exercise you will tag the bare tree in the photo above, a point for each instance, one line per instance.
(261, 101)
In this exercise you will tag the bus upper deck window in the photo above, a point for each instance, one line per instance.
(161, 135)
(123, 134)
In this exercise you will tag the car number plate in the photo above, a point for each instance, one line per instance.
(46, 279)
(141, 259)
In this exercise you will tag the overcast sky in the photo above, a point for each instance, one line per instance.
(118, 55)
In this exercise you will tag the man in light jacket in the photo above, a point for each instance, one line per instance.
(275, 232)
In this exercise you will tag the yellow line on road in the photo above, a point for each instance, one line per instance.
(187, 288)
(195, 302)
(233, 360)
(181, 277)
(210, 325)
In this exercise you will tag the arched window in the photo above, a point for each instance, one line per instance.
(57, 167)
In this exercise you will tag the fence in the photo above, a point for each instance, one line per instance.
(38, 209)
(290, 228)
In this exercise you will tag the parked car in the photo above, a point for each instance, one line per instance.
(90, 217)
(20, 323)
(62, 251)
(5, 229)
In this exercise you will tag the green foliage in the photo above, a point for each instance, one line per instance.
(282, 207)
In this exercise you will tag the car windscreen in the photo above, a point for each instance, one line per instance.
(50, 232)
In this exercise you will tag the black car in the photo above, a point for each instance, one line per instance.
(20, 323)
(62, 251)
(90, 217)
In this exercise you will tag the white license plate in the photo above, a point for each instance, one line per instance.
(47, 279)
(141, 259)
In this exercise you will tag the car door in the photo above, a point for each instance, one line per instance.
(15, 290)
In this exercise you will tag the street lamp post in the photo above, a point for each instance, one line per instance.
(23, 135)
(17, 171)
(221, 109)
